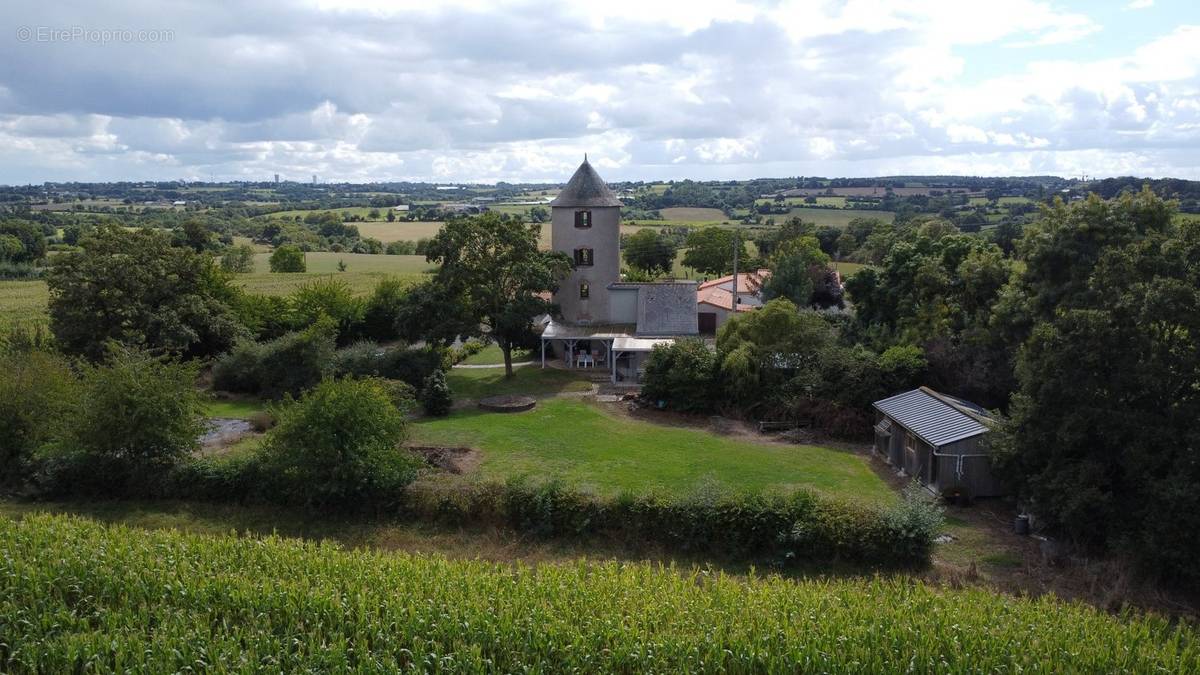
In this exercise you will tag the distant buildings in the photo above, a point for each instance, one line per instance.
(715, 298)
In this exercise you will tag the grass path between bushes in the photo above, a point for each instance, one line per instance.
(592, 449)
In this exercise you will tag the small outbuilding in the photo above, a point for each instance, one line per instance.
(940, 440)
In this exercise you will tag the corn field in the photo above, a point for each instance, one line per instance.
(78, 596)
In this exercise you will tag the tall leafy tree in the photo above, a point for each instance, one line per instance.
(710, 250)
(647, 250)
(492, 269)
(796, 268)
(1103, 440)
(135, 289)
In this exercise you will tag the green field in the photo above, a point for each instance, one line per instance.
(831, 217)
(363, 271)
(399, 230)
(688, 214)
(361, 211)
(79, 596)
(23, 303)
(610, 453)
(838, 202)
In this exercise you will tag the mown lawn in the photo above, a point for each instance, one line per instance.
(593, 449)
(492, 355)
(473, 383)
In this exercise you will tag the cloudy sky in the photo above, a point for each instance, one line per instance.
(484, 90)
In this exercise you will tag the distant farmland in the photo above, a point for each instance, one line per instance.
(880, 192)
(831, 217)
(690, 214)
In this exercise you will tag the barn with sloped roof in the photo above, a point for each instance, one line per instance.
(940, 440)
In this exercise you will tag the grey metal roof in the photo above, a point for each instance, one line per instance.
(933, 418)
(667, 308)
(586, 189)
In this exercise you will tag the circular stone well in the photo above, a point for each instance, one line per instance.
(508, 403)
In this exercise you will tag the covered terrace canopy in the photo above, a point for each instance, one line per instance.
(618, 340)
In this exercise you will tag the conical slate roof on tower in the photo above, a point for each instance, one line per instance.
(586, 189)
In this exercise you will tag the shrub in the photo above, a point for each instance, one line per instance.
(915, 522)
(435, 395)
(682, 374)
(368, 359)
(238, 259)
(361, 359)
(13, 270)
(261, 421)
(382, 309)
(456, 355)
(288, 258)
(266, 316)
(37, 390)
(136, 417)
(288, 364)
(402, 394)
(338, 446)
(327, 297)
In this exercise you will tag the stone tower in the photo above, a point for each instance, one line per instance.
(585, 222)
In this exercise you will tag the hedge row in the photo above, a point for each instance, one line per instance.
(796, 527)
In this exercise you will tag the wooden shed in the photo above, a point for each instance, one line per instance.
(940, 440)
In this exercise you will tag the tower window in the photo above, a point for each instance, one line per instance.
(583, 219)
(583, 257)
(584, 290)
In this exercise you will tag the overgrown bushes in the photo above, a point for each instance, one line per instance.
(683, 375)
(368, 359)
(286, 365)
(783, 528)
(37, 389)
(338, 446)
(133, 420)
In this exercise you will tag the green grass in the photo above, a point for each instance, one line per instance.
(473, 383)
(491, 355)
(399, 230)
(23, 302)
(849, 269)
(689, 214)
(362, 271)
(361, 211)
(233, 408)
(75, 592)
(838, 202)
(832, 217)
(595, 450)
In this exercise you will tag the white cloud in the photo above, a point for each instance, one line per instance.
(473, 90)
